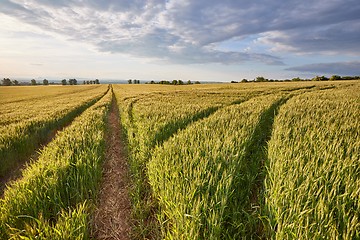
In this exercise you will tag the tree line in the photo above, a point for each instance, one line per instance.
(33, 82)
(316, 78)
(165, 82)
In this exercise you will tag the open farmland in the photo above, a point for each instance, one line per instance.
(29, 119)
(218, 161)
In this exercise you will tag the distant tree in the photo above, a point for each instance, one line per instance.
(316, 78)
(260, 79)
(130, 81)
(152, 82)
(244, 80)
(72, 81)
(335, 77)
(233, 82)
(189, 82)
(6, 82)
(322, 78)
(84, 82)
(97, 81)
(296, 79)
(197, 82)
(16, 82)
(164, 82)
(45, 82)
(33, 82)
(347, 78)
(174, 82)
(64, 82)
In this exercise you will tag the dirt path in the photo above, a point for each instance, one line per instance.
(112, 216)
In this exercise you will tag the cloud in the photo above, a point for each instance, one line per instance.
(189, 31)
(341, 68)
(337, 38)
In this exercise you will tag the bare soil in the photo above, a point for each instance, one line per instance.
(112, 216)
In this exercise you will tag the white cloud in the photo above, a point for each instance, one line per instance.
(188, 31)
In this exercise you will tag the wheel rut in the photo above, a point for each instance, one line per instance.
(112, 215)
(45, 138)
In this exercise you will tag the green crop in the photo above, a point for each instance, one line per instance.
(52, 197)
(313, 180)
(218, 161)
(23, 129)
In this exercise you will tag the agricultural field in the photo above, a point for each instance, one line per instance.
(212, 161)
(30, 115)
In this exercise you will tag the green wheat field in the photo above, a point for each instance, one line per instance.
(209, 161)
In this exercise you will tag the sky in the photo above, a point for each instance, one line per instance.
(209, 40)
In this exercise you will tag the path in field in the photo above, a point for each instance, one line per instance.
(15, 173)
(256, 156)
(112, 216)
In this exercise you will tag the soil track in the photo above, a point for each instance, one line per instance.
(112, 216)
(16, 171)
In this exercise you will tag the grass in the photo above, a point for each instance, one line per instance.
(313, 172)
(23, 131)
(203, 177)
(150, 119)
(153, 116)
(53, 196)
(229, 161)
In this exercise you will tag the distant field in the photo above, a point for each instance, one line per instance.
(216, 161)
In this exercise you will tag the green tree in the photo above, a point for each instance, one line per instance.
(73, 81)
(335, 77)
(130, 81)
(260, 79)
(296, 79)
(16, 82)
(174, 82)
(64, 82)
(6, 82)
(45, 82)
(197, 82)
(322, 78)
(244, 80)
(33, 82)
(189, 82)
(97, 81)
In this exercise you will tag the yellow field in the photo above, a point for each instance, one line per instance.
(208, 161)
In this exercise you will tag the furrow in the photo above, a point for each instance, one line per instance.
(16, 156)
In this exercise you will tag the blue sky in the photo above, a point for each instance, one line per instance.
(166, 39)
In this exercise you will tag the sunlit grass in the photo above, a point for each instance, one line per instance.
(27, 124)
(313, 182)
(54, 191)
